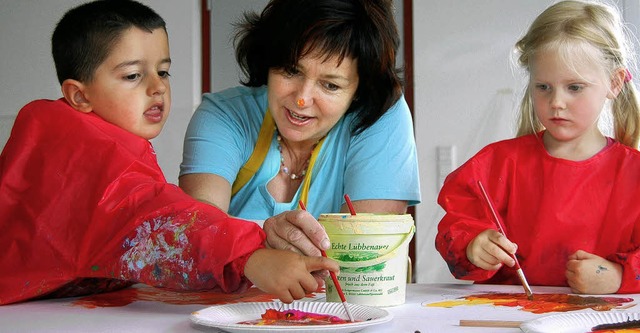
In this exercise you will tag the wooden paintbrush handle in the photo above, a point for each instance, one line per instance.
(490, 323)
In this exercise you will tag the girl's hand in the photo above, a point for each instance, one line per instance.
(286, 274)
(490, 249)
(297, 231)
(591, 274)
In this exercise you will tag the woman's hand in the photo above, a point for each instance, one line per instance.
(297, 231)
(490, 249)
(591, 274)
(286, 274)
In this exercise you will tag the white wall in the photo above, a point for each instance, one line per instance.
(28, 73)
(465, 94)
(26, 68)
(225, 72)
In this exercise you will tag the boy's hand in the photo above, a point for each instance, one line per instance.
(591, 274)
(490, 249)
(286, 274)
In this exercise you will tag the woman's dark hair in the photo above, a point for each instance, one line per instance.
(288, 30)
(83, 38)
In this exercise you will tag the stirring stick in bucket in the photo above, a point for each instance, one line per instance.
(336, 283)
(353, 211)
(496, 219)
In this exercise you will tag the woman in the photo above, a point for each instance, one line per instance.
(319, 115)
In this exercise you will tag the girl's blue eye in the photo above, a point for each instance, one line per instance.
(575, 87)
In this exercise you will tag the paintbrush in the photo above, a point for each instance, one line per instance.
(348, 200)
(496, 219)
(490, 323)
(336, 283)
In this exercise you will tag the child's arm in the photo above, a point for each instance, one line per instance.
(152, 232)
(286, 274)
(465, 220)
(628, 257)
(591, 274)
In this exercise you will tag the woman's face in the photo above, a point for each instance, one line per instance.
(308, 100)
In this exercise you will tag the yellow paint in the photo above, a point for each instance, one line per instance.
(452, 303)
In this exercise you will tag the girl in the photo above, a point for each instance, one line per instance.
(565, 192)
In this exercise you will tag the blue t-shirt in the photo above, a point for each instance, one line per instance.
(379, 163)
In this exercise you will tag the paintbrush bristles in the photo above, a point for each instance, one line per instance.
(525, 284)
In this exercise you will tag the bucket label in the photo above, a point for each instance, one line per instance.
(359, 246)
(373, 262)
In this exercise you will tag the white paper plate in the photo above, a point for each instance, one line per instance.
(575, 322)
(226, 317)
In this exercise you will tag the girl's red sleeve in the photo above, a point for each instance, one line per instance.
(465, 217)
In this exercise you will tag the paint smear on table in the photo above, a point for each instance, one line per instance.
(541, 303)
(145, 293)
(294, 318)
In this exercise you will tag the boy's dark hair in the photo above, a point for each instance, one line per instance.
(288, 30)
(83, 38)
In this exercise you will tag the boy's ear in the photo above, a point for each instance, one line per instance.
(617, 81)
(73, 92)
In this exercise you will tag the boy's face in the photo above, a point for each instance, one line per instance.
(131, 87)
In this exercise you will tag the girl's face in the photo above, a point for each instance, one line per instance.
(308, 100)
(131, 89)
(568, 99)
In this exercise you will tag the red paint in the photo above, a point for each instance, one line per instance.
(145, 293)
(544, 303)
(295, 318)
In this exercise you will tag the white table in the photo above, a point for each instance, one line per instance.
(66, 315)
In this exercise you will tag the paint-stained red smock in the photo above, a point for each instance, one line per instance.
(551, 208)
(84, 207)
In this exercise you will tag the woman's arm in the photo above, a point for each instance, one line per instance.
(377, 206)
(208, 188)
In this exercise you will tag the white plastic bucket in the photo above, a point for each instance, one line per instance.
(372, 250)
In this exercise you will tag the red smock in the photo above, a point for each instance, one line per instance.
(550, 208)
(85, 208)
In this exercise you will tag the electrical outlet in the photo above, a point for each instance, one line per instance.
(446, 162)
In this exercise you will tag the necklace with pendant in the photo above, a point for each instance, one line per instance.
(284, 169)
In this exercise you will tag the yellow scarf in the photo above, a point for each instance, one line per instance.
(260, 152)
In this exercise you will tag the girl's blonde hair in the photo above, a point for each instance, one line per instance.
(568, 25)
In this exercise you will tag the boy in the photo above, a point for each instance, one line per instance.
(85, 207)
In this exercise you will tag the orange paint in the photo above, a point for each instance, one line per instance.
(542, 303)
(294, 318)
(146, 293)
